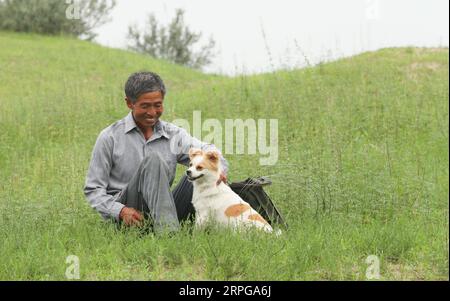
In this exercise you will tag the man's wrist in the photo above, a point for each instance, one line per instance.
(121, 213)
(116, 210)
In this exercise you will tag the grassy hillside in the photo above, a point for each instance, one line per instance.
(362, 170)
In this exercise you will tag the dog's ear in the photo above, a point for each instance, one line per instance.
(194, 152)
(212, 156)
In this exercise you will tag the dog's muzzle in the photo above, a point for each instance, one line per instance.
(190, 178)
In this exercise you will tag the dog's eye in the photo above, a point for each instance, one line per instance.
(190, 164)
(199, 167)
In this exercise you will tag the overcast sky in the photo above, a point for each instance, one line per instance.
(293, 29)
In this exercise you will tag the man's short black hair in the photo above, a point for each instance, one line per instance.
(143, 82)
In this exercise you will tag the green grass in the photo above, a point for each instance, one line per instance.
(362, 170)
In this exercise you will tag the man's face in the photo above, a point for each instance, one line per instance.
(147, 109)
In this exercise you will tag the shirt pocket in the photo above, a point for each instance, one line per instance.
(171, 161)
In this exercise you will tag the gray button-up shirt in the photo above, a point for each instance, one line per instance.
(119, 150)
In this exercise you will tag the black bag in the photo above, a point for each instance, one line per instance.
(251, 191)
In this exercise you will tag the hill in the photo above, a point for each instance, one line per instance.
(362, 165)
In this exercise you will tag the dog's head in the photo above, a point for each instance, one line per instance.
(204, 166)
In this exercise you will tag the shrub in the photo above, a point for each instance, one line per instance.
(54, 17)
(175, 42)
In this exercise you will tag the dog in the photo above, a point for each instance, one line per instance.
(218, 203)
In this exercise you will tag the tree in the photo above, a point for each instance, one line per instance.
(53, 17)
(174, 42)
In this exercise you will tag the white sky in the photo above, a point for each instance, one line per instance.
(320, 29)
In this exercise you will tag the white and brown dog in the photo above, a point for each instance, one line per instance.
(218, 203)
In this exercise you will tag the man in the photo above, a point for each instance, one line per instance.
(134, 161)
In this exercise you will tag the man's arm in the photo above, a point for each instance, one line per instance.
(98, 177)
(185, 142)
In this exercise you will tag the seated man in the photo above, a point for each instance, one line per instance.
(134, 162)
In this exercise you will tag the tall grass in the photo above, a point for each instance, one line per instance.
(363, 166)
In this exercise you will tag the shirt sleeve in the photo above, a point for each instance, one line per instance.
(185, 142)
(97, 179)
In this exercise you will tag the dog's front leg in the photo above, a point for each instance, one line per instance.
(199, 221)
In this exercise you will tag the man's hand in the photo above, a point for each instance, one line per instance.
(131, 217)
(223, 178)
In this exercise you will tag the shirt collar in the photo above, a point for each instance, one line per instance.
(129, 122)
(159, 129)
